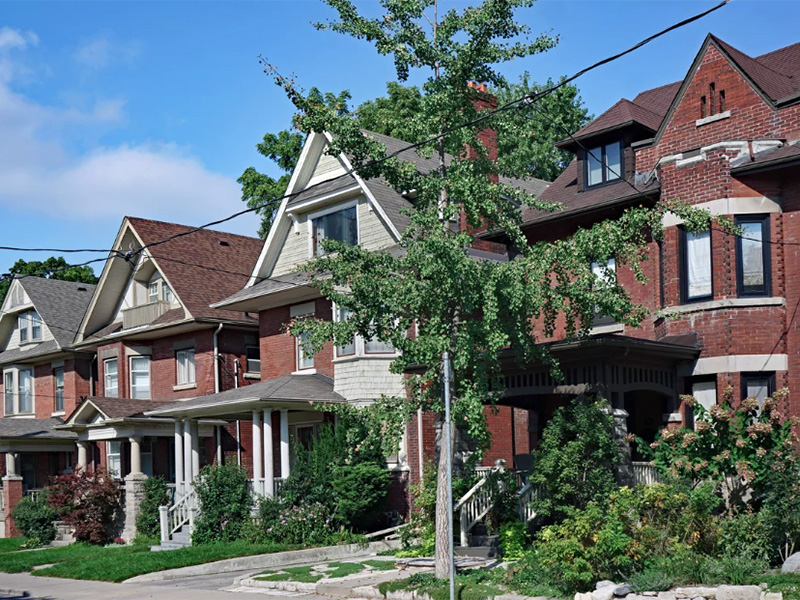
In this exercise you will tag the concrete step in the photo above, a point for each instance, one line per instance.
(182, 538)
(476, 551)
(170, 545)
(484, 540)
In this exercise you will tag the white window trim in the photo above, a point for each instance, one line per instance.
(360, 348)
(27, 318)
(14, 371)
(189, 379)
(55, 390)
(149, 377)
(326, 211)
(302, 310)
(118, 455)
(105, 376)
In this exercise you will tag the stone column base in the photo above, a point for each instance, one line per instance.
(134, 493)
(12, 494)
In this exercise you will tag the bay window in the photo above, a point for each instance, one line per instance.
(752, 256)
(302, 359)
(18, 391)
(10, 400)
(348, 349)
(140, 377)
(111, 377)
(603, 164)
(340, 225)
(696, 273)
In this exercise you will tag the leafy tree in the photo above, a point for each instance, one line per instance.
(474, 310)
(52, 268)
(89, 501)
(526, 140)
(282, 148)
(391, 115)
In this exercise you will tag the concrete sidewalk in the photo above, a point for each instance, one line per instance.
(23, 585)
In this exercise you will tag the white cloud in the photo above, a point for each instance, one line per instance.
(101, 52)
(14, 38)
(41, 172)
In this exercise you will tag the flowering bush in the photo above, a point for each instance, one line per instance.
(304, 523)
(89, 501)
(225, 503)
(738, 448)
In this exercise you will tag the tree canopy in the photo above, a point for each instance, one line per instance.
(52, 268)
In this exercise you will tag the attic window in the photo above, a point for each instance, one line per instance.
(603, 164)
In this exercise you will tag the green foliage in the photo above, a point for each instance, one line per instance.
(574, 463)
(225, 503)
(514, 540)
(739, 448)
(393, 114)
(650, 580)
(34, 518)
(52, 268)
(89, 501)
(746, 534)
(306, 523)
(155, 495)
(360, 490)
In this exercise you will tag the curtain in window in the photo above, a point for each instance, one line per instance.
(58, 376)
(185, 360)
(757, 387)
(705, 392)
(8, 393)
(752, 256)
(698, 255)
(140, 377)
(111, 379)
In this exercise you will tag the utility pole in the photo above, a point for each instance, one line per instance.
(448, 448)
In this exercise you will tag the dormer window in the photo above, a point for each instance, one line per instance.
(29, 325)
(603, 164)
(340, 224)
(152, 292)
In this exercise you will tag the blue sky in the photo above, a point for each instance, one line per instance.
(153, 109)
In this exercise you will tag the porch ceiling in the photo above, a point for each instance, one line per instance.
(289, 391)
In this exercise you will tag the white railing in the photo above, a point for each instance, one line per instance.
(474, 506)
(183, 512)
(34, 494)
(257, 488)
(644, 472)
(524, 498)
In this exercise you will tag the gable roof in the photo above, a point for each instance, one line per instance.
(110, 409)
(623, 113)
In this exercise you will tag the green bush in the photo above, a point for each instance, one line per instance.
(225, 503)
(514, 540)
(359, 491)
(305, 524)
(34, 518)
(574, 463)
(650, 580)
(148, 524)
(745, 534)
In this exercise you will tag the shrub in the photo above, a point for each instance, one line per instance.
(745, 534)
(359, 491)
(89, 501)
(514, 540)
(575, 461)
(148, 522)
(650, 580)
(310, 523)
(34, 518)
(225, 503)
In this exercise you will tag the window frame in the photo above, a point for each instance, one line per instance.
(183, 371)
(248, 360)
(749, 375)
(152, 298)
(312, 236)
(12, 379)
(9, 393)
(106, 362)
(338, 312)
(766, 258)
(166, 292)
(684, 267)
(116, 473)
(131, 370)
(601, 320)
(58, 374)
(603, 165)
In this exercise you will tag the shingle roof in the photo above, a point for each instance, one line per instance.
(622, 113)
(289, 388)
(31, 351)
(201, 269)
(272, 285)
(60, 304)
(120, 408)
(34, 429)
(775, 84)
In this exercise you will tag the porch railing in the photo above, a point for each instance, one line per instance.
(144, 314)
(174, 517)
(34, 494)
(644, 472)
(524, 498)
(258, 490)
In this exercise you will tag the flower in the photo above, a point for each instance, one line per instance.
(760, 452)
(741, 442)
(702, 426)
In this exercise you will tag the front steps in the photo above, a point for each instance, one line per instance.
(180, 539)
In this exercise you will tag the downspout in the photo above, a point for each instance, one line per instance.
(236, 368)
(238, 442)
(216, 359)
(420, 448)
(91, 374)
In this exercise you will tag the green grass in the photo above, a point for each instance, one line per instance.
(379, 565)
(298, 570)
(341, 569)
(103, 564)
(298, 577)
(11, 544)
(465, 590)
(787, 583)
(21, 562)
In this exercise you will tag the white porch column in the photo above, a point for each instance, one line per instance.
(179, 468)
(83, 455)
(11, 464)
(257, 448)
(218, 430)
(284, 443)
(195, 429)
(187, 456)
(136, 455)
(269, 474)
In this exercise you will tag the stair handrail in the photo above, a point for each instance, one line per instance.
(472, 491)
(474, 505)
(524, 496)
(179, 514)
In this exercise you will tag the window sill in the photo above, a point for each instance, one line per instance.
(21, 416)
(252, 375)
(305, 372)
(354, 357)
(184, 386)
(712, 118)
(31, 342)
(610, 328)
(720, 305)
(58, 413)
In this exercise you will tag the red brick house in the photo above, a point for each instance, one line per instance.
(43, 378)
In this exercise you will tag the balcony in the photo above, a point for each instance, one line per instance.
(144, 314)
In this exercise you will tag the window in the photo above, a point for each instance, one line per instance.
(696, 281)
(152, 292)
(140, 377)
(340, 225)
(114, 458)
(146, 450)
(606, 273)
(712, 96)
(111, 376)
(29, 324)
(705, 392)
(25, 390)
(603, 164)
(185, 364)
(375, 346)
(9, 396)
(343, 314)
(58, 384)
(758, 385)
(253, 356)
(302, 311)
(752, 256)
(166, 293)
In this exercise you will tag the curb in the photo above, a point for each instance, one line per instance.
(265, 561)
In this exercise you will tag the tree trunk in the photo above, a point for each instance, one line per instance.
(442, 562)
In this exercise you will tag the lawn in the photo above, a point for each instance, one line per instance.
(11, 544)
(105, 564)
(21, 562)
(787, 583)
(472, 586)
(332, 570)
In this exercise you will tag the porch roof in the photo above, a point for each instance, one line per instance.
(289, 391)
(32, 430)
(677, 347)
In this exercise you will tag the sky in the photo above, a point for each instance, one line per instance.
(153, 108)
